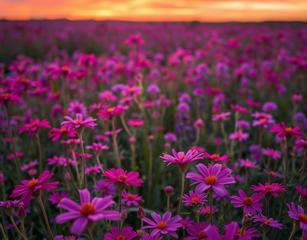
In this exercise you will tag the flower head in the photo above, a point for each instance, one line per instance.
(269, 188)
(297, 213)
(282, 131)
(266, 221)
(163, 225)
(131, 199)
(194, 198)
(126, 233)
(79, 122)
(88, 210)
(212, 177)
(123, 177)
(251, 204)
(28, 188)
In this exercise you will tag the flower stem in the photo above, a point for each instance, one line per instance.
(181, 191)
(17, 229)
(115, 145)
(40, 153)
(293, 231)
(41, 204)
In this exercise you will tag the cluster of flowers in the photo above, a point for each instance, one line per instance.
(147, 144)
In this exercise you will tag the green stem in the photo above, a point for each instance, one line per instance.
(41, 204)
(17, 229)
(181, 191)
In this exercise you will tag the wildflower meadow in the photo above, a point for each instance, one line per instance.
(152, 131)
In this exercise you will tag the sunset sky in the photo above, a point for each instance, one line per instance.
(157, 10)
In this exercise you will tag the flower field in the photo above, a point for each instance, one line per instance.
(121, 131)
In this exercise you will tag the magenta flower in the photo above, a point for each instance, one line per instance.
(215, 157)
(163, 225)
(197, 231)
(34, 126)
(108, 113)
(297, 213)
(221, 116)
(89, 210)
(182, 158)
(194, 198)
(212, 177)
(269, 188)
(56, 197)
(246, 163)
(126, 233)
(28, 188)
(251, 204)
(131, 199)
(238, 136)
(282, 131)
(79, 122)
(135, 122)
(122, 177)
(269, 152)
(265, 221)
(58, 133)
(105, 187)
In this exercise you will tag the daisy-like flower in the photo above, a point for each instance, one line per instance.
(163, 225)
(221, 116)
(266, 221)
(126, 233)
(123, 178)
(197, 231)
(34, 126)
(56, 197)
(238, 136)
(135, 122)
(79, 122)
(88, 210)
(29, 188)
(251, 204)
(181, 158)
(105, 187)
(269, 188)
(297, 213)
(58, 133)
(246, 163)
(217, 157)
(108, 113)
(194, 198)
(269, 152)
(212, 177)
(301, 191)
(282, 131)
(131, 199)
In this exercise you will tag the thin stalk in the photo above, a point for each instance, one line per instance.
(42, 207)
(3, 232)
(40, 152)
(17, 229)
(83, 177)
(181, 191)
(115, 145)
(293, 231)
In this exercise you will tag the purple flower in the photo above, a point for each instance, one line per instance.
(182, 158)
(251, 204)
(212, 177)
(163, 225)
(297, 213)
(239, 136)
(89, 210)
(126, 233)
(79, 122)
(131, 199)
(194, 198)
(265, 221)
(197, 231)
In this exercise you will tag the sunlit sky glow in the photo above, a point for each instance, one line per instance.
(157, 10)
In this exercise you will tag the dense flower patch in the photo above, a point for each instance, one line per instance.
(201, 139)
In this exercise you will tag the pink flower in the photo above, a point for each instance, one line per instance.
(217, 157)
(108, 113)
(79, 122)
(239, 136)
(131, 199)
(105, 187)
(197, 231)
(56, 197)
(297, 213)
(246, 163)
(135, 122)
(221, 116)
(274, 154)
(59, 133)
(123, 178)
(28, 188)
(34, 126)
(163, 225)
(182, 158)
(212, 177)
(89, 210)
(251, 204)
(126, 233)
(282, 131)
(194, 198)
(269, 188)
(265, 221)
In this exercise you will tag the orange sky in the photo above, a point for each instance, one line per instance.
(155, 10)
